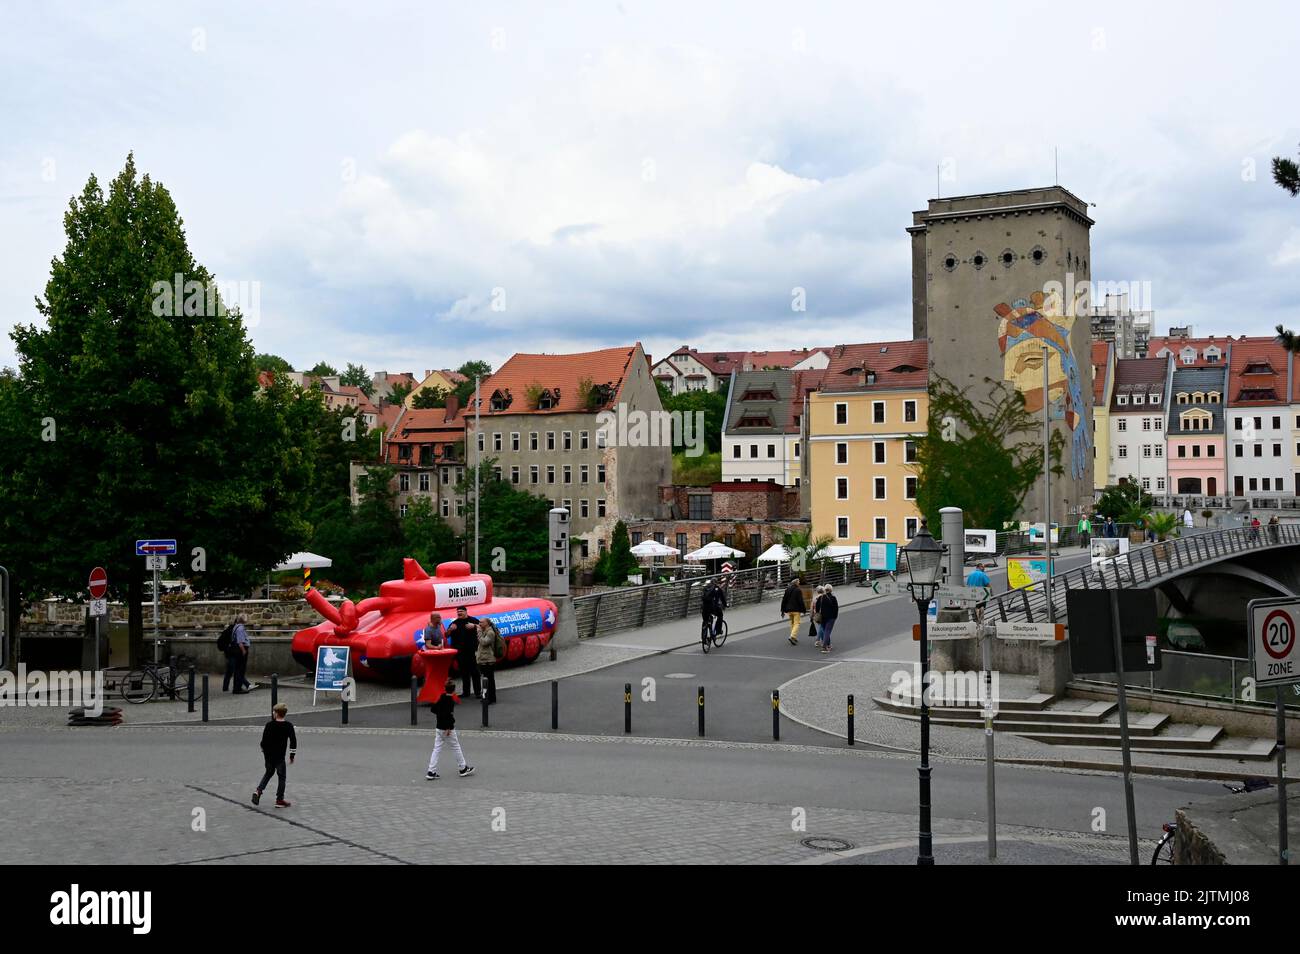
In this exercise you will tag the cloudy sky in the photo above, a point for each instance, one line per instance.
(413, 185)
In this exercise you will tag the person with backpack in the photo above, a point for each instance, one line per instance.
(792, 605)
(491, 650)
(829, 609)
(276, 738)
(444, 711)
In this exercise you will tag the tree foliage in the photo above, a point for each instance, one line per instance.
(621, 562)
(1122, 501)
(982, 456)
(712, 404)
(323, 369)
(1286, 173)
(271, 362)
(399, 393)
(430, 397)
(356, 376)
(465, 390)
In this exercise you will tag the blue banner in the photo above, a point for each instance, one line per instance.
(518, 622)
(331, 668)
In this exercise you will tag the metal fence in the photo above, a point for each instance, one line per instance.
(1200, 676)
(1141, 566)
(632, 607)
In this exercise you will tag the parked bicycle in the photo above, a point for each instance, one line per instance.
(1164, 853)
(141, 685)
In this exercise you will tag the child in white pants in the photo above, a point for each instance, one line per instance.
(445, 733)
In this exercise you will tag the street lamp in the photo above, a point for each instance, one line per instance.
(924, 560)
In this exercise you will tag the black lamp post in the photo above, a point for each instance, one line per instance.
(924, 562)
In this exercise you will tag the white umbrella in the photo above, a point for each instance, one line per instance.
(776, 553)
(302, 560)
(653, 548)
(713, 551)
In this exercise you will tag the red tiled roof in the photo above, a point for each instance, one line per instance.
(265, 378)
(1101, 364)
(1224, 343)
(888, 359)
(557, 371)
(455, 377)
(724, 362)
(425, 426)
(1247, 390)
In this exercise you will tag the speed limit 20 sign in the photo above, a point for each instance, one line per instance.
(1273, 651)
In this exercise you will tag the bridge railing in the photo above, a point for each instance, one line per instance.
(1139, 567)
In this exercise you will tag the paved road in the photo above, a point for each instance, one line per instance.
(133, 795)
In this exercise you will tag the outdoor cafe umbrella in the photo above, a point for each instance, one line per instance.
(713, 551)
(653, 549)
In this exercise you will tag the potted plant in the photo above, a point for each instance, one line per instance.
(1136, 517)
(1206, 515)
(1165, 525)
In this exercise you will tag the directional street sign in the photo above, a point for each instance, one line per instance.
(98, 583)
(1273, 641)
(946, 631)
(151, 547)
(965, 594)
(1013, 630)
(155, 562)
(888, 587)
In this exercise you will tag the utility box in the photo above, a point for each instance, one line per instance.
(558, 558)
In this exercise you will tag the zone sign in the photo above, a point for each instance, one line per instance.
(1273, 641)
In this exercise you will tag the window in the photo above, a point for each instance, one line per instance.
(880, 488)
(1160, 450)
(532, 473)
(1182, 397)
(659, 538)
(1277, 423)
(796, 450)
(550, 473)
(910, 525)
(584, 474)
(881, 528)
(1160, 483)
(496, 441)
(878, 412)
(1146, 423)
(909, 488)
(424, 483)
(755, 543)
(568, 474)
(1155, 399)
(841, 453)
(1122, 425)
(460, 506)
(1259, 424)
(699, 506)
(1259, 450)
(514, 475)
(444, 475)
(1123, 451)
(1209, 451)
(842, 528)
(584, 440)
(401, 510)
(583, 509)
(600, 473)
(681, 542)
(1146, 450)
(600, 438)
(550, 440)
(1236, 423)
(1139, 399)
(403, 482)
(735, 451)
(1277, 450)
(841, 413)
(446, 507)
(567, 439)
(841, 488)
(753, 451)
(1182, 451)
(514, 440)
(771, 450)
(532, 441)
(909, 451)
(909, 411)
(636, 537)
(1254, 484)
(1121, 399)
(878, 451)
(600, 507)
(584, 549)
(1160, 423)
(1196, 450)
(1146, 483)
(480, 443)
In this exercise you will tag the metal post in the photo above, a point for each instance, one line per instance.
(699, 702)
(1123, 729)
(157, 584)
(485, 710)
(275, 689)
(926, 854)
(776, 715)
(627, 707)
(205, 697)
(850, 718)
(171, 676)
(191, 693)
(415, 704)
(1047, 484)
(345, 709)
(1283, 855)
(989, 759)
(478, 459)
(555, 703)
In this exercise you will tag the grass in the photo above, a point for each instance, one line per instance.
(705, 469)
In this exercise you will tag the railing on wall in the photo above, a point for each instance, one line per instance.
(1201, 676)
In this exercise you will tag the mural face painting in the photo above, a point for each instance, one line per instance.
(1025, 326)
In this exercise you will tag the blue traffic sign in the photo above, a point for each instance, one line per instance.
(155, 548)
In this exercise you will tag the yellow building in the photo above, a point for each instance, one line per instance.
(861, 453)
(1103, 383)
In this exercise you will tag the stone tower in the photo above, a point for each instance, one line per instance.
(995, 278)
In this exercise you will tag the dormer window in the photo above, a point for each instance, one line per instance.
(754, 394)
(755, 420)
(501, 400)
(1182, 397)
(1155, 399)
(1121, 399)
(1212, 397)
(1139, 399)
(548, 399)
(1163, 353)
(1258, 367)
(1198, 397)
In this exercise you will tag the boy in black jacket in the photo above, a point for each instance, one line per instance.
(445, 711)
(276, 737)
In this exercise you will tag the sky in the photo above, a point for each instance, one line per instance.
(412, 185)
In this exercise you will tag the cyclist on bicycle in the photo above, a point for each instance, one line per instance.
(713, 606)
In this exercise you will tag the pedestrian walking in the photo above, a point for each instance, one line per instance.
(792, 605)
(830, 612)
(491, 648)
(1085, 531)
(1110, 529)
(816, 628)
(1274, 531)
(444, 711)
(1188, 520)
(227, 647)
(241, 649)
(276, 738)
(463, 633)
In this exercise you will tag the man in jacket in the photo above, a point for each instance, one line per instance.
(792, 605)
(463, 633)
(829, 609)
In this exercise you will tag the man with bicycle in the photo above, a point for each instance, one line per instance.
(713, 607)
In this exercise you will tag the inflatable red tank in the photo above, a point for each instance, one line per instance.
(384, 631)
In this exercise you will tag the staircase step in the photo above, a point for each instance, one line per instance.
(1199, 742)
(1094, 713)
(1033, 703)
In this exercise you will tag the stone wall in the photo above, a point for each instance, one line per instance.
(195, 615)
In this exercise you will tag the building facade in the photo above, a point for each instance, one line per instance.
(1103, 387)
(1137, 415)
(1195, 427)
(861, 428)
(762, 437)
(692, 369)
(1260, 433)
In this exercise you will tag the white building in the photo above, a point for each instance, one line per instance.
(761, 434)
(1137, 424)
(691, 369)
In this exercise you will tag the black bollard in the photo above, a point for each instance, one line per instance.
(776, 715)
(850, 718)
(191, 692)
(205, 697)
(555, 704)
(415, 693)
(171, 675)
(345, 709)
(699, 702)
(275, 690)
(485, 711)
(627, 707)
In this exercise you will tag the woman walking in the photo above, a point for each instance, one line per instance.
(491, 647)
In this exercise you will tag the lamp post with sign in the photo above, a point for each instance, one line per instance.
(924, 560)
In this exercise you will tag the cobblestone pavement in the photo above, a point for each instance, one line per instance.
(171, 796)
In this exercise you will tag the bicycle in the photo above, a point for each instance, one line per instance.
(141, 685)
(709, 638)
(1164, 853)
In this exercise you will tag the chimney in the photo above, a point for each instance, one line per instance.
(453, 405)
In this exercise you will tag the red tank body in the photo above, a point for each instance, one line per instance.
(382, 631)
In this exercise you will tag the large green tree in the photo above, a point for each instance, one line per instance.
(355, 375)
(428, 538)
(980, 455)
(465, 390)
(136, 414)
(323, 369)
(271, 362)
(621, 562)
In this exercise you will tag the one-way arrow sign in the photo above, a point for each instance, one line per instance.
(155, 548)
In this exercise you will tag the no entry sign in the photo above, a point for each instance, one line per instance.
(1273, 641)
(98, 583)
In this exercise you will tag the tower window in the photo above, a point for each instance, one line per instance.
(950, 262)
(1008, 257)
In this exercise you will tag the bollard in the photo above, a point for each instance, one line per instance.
(485, 711)
(552, 650)
(555, 704)
(205, 697)
(275, 690)
(171, 676)
(699, 702)
(415, 692)
(345, 709)
(850, 718)
(191, 691)
(627, 707)
(776, 715)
